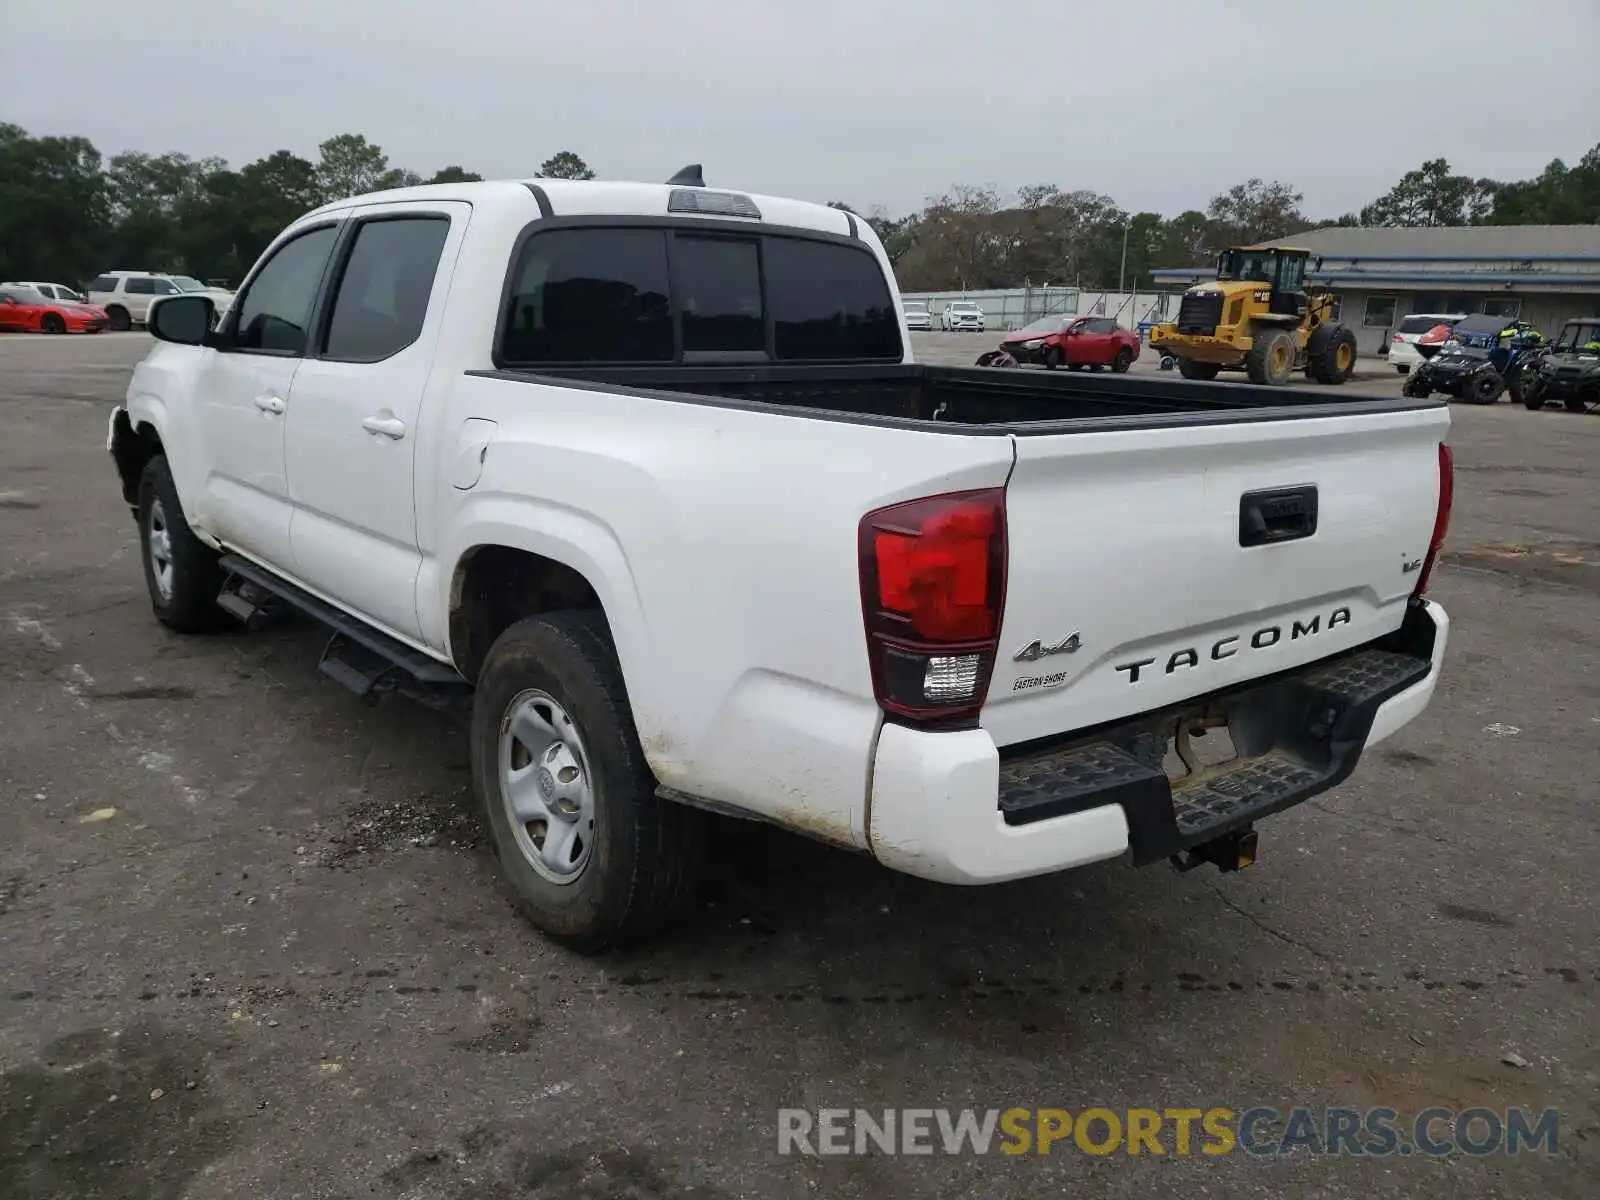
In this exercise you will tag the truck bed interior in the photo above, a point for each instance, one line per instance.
(972, 399)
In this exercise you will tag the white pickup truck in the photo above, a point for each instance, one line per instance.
(645, 474)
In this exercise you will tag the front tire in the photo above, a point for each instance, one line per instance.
(594, 856)
(1052, 358)
(180, 571)
(1271, 358)
(51, 323)
(1483, 388)
(1190, 369)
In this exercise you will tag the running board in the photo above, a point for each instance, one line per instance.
(358, 657)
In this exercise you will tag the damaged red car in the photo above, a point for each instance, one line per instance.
(1074, 342)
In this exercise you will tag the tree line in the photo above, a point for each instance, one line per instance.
(978, 237)
(67, 214)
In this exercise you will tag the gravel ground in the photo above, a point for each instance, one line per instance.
(253, 943)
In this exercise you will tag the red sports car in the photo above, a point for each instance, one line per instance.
(1075, 342)
(23, 310)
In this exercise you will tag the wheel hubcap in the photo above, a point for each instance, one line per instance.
(546, 787)
(160, 539)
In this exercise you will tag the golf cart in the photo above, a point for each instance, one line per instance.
(1483, 356)
(1569, 372)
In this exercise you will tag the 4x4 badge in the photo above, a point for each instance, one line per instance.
(1035, 650)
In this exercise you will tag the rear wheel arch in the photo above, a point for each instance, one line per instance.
(494, 586)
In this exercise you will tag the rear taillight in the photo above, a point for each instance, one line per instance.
(1397, 339)
(933, 584)
(1441, 520)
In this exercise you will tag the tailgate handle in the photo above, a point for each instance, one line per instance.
(1279, 515)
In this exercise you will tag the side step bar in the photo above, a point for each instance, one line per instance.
(358, 657)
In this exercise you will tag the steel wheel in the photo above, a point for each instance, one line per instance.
(160, 542)
(546, 787)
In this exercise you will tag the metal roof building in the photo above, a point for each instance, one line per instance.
(1541, 273)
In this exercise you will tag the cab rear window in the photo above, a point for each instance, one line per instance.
(631, 294)
(1420, 324)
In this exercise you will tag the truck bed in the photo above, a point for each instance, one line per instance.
(974, 399)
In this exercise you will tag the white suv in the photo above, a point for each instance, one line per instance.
(963, 314)
(127, 295)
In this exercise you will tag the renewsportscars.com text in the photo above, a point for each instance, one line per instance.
(1257, 1132)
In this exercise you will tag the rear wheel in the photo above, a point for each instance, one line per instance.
(1122, 361)
(180, 571)
(1271, 359)
(595, 856)
(117, 317)
(52, 323)
(1483, 388)
(1331, 354)
(1190, 369)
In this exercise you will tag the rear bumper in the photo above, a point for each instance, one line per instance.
(946, 806)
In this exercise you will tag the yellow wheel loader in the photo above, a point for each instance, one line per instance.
(1260, 317)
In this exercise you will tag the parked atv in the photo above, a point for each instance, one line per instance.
(1569, 372)
(1483, 358)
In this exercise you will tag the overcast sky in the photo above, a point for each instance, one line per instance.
(1159, 103)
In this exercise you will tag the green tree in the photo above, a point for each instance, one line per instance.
(350, 166)
(54, 207)
(1559, 195)
(455, 175)
(1256, 211)
(564, 164)
(1431, 195)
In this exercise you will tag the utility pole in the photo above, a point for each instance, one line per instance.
(1122, 269)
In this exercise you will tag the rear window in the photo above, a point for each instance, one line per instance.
(1420, 324)
(601, 295)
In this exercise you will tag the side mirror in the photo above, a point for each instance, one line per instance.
(183, 320)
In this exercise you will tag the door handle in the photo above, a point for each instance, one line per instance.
(389, 427)
(268, 403)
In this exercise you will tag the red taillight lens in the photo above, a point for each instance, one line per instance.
(933, 575)
(1397, 339)
(1441, 520)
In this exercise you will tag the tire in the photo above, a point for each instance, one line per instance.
(1190, 369)
(1122, 361)
(52, 323)
(1578, 404)
(643, 855)
(1271, 358)
(1403, 370)
(1485, 387)
(1416, 387)
(117, 318)
(180, 571)
(1529, 392)
(1052, 358)
(1331, 354)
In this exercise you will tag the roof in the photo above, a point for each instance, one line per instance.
(608, 197)
(1463, 241)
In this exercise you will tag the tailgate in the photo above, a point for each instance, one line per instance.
(1148, 567)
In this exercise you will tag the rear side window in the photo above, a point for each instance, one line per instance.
(141, 285)
(590, 295)
(829, 302)
(104, 283)
(382, 297)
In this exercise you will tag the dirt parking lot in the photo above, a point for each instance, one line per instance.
(252, 942)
